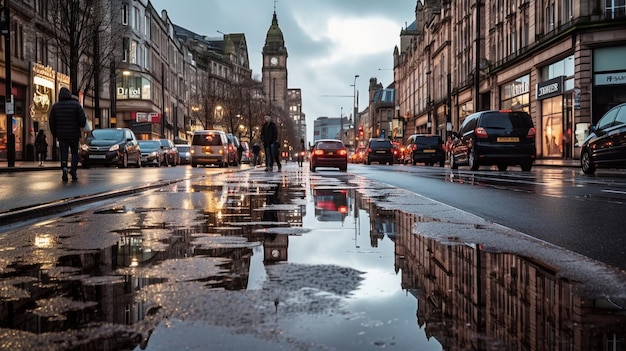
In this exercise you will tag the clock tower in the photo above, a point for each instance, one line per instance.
(275, 69)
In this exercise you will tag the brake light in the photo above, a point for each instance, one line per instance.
(318, 152)
(531, 133)
(414, 147)
(343, 152)
(480, 132)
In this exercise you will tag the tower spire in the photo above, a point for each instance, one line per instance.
(275, 1)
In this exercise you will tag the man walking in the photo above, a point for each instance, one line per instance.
(269, 137)
(66, 119)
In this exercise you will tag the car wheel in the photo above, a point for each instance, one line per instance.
(125, 161)
(473, 160)
(502, 167)
(194, 165)
(453, 164)
(527, 165)
(586, 163)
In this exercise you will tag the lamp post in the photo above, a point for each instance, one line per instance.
(341, 124)
(355, 105)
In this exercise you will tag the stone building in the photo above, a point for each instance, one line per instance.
(557, 60)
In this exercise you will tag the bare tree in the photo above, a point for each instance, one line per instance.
(83, 32)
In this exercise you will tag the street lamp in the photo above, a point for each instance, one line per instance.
(355, 105)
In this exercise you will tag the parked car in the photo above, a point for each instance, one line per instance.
(110, 147)
(358, 155)
(246, 153)
(172, 157)
(605, 147)
(209, 147)
(378, 150)
(183, 151)
(426, 148)
(398, 151)
(329, 153)
(501, 138)
(233, 145)
(151, 153)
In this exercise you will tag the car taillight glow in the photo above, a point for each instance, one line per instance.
(343, 152)
(414, 147)
(318, 152)
(480, 132)
(342, 209)
(531, 133)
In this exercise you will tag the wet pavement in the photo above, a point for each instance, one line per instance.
(296, 261)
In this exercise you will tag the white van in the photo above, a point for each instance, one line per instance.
(209, 147)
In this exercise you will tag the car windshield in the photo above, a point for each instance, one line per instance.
(183, 148)
(108, 134)
(207, 139)
(149, 144)
(506, 120)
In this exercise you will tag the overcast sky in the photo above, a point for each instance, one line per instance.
(328, 42)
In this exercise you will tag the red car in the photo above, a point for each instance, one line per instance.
(329, 153)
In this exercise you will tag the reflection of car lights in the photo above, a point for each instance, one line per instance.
(343, 209)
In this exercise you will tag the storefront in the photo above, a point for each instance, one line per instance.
(18, 129)
(556, 103)
(609, 80)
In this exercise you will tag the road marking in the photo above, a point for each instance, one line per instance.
(614, 192)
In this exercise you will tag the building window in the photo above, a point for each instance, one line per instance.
(125, 14)
(125, 48)
(549, 17)
(615, 8)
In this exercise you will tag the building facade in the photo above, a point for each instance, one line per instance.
(557, 60)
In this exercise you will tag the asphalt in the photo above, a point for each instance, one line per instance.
(31, 166)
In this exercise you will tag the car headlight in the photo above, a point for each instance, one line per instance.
(114, 147)
(153, 153)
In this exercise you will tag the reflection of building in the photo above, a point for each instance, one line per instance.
(275, 248)
(502, 298)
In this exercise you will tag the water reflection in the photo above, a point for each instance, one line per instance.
(473, 299)
(242, 251)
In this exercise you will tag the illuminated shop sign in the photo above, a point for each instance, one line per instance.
(132, 86)
(146, 117)
(550, 88)
(617, 78)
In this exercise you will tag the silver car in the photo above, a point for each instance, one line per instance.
(185, 155)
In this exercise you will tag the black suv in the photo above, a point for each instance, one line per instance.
(427, 148)
(378, 150)
(605, 147)
(501, 138)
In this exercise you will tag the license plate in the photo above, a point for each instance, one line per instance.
(430, 151)
(144, 159)
(508, 139)
(97, 156)
(330, 153)
(207, 150)
(381, 152)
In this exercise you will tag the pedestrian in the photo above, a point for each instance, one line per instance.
(256, 152)
(66, 119)
(567, 143)
(41, 147)
(269, 137)
(301, 153)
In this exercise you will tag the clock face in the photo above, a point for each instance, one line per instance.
(274, 61)
(275, 253)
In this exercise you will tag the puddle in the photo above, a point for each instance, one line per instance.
(297, 262)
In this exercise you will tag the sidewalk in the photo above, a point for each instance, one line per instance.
(23, 166)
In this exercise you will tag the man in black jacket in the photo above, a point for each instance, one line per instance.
(66, 119)
(269, 137)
